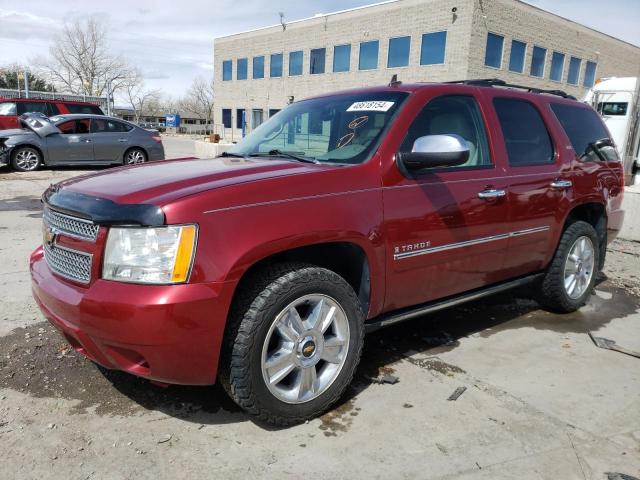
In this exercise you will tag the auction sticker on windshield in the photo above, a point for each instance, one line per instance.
(371, 106)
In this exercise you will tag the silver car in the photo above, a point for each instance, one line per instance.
(77, 140)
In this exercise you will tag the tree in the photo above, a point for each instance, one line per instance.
(80, 61)
(142, 100)
(200, 99)
(12, 75)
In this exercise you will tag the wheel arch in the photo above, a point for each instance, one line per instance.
(38, 148)
(595, 214)
(134, 147)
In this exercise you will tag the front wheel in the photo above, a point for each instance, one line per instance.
(26, 159)
(293, 343)
(571, 275)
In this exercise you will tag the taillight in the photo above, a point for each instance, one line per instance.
(157, 138)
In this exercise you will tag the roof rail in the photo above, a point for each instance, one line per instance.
(496, 82)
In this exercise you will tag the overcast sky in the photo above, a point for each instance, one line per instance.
(172, 42)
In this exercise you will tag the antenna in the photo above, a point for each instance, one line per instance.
(282, 22)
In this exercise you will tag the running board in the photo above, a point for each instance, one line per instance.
(407, 314)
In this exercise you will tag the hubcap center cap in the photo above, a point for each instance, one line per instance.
(308, 348)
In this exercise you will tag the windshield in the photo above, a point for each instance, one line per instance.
(336, 129)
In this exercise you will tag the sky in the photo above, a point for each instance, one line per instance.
(172, 42)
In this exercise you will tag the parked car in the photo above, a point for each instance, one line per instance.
(344, 213)
(77, 140)
(12, 108)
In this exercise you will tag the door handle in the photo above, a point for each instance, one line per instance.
(86, 140)
(561, 184)
(122, 140)
(492, 193)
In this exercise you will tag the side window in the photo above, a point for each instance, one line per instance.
(7, 109)
(527, 138)
(99, 125)
(53, 109)
(83, 109)
(454, 114)
(584, 128)
(68, 127)
(83, 125)
(33, 107)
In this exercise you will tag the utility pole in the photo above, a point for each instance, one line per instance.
(109, 97)
(26, 83)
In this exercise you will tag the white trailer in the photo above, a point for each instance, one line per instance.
(617, 99)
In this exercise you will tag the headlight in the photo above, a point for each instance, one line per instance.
(149, 255)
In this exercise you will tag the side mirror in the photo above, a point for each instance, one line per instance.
(435, 151)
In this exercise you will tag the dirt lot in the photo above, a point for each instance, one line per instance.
(541, 401)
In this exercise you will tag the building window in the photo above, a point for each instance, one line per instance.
(226, 117)
(537, 61)
(256, 118)
(241, 71)
(341, 58)
(590, 74)
(574, 70)
(369, 55)
(273, 111)
(516, 57)
(399, 52)
(227, 70)
(433, 48)
(493, 53)
(557, 66)
(295, 63)
(258, 67)
(239, 115)
(317, 59)
(275, 65)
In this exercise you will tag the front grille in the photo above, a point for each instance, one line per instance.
(67, 263)
(71, 226)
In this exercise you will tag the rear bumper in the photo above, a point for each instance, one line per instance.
(156, 153)
(170, 334)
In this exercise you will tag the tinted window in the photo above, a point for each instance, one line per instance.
(369, 55)
(574, 71)
(227, 68)
(275, 65)
(583, 126)
(108, 126)
(433, 48)
(295, 63)
(613, 108)
(258, 67)
(241, 72)
(516, 57)
(525, 135)
(317, 59)
(537, 61)
(226, 117)
(33, 107)
(68, 127)
(399, 52)
(83, 126)
(341, 58)
(557, 66)
(7, 108)
(83, 109)
(455, 114)
(589, 74)
(239, 115)
(493, 53)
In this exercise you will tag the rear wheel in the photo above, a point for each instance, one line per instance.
(135, 156)
(26, 159)
(293, 343)
(572, 274)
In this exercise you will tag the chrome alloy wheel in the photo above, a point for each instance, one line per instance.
(27, 159)
(578, 268)
(305, 348)
(134, 157)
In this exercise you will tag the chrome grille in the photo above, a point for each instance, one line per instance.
(67, 263)
(71, 226)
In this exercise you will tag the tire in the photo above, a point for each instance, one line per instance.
(26, 159)
(135, 156)
(259, 316)
(556, 293)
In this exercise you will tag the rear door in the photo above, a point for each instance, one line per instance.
(540, 186)
(110, 139)
(445, 227)
(73, 144)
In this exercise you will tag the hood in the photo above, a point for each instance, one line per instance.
(15, 132)
(162, 182)
(39, 124)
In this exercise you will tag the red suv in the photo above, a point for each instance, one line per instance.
(343, 213)
(12, 108)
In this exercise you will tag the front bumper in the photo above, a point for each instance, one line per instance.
(170, 334)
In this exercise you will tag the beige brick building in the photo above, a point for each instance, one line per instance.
(258, 72)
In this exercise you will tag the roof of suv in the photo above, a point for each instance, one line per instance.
(52, 100)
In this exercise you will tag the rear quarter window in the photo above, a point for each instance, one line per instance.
(33, 107)
(584, 127)
(84, 109)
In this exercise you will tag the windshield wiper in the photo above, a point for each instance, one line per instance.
(280, 153)
(230, 154)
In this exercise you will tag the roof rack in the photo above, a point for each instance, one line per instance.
(496, 82)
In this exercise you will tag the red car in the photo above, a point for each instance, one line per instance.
(12, 108)
(342, 213)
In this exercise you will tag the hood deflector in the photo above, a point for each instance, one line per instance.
(101, 210)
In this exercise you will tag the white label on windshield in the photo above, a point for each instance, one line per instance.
(371, 106)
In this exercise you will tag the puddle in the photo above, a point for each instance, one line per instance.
(29, 203)
(37, 361)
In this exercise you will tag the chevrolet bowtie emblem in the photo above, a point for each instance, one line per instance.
(49, 235)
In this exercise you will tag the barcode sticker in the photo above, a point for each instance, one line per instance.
(371, 106)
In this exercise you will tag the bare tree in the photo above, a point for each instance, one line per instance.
(141, 99)
(80, 61)
(200, 99)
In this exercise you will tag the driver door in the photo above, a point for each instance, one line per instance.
(73, 144)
